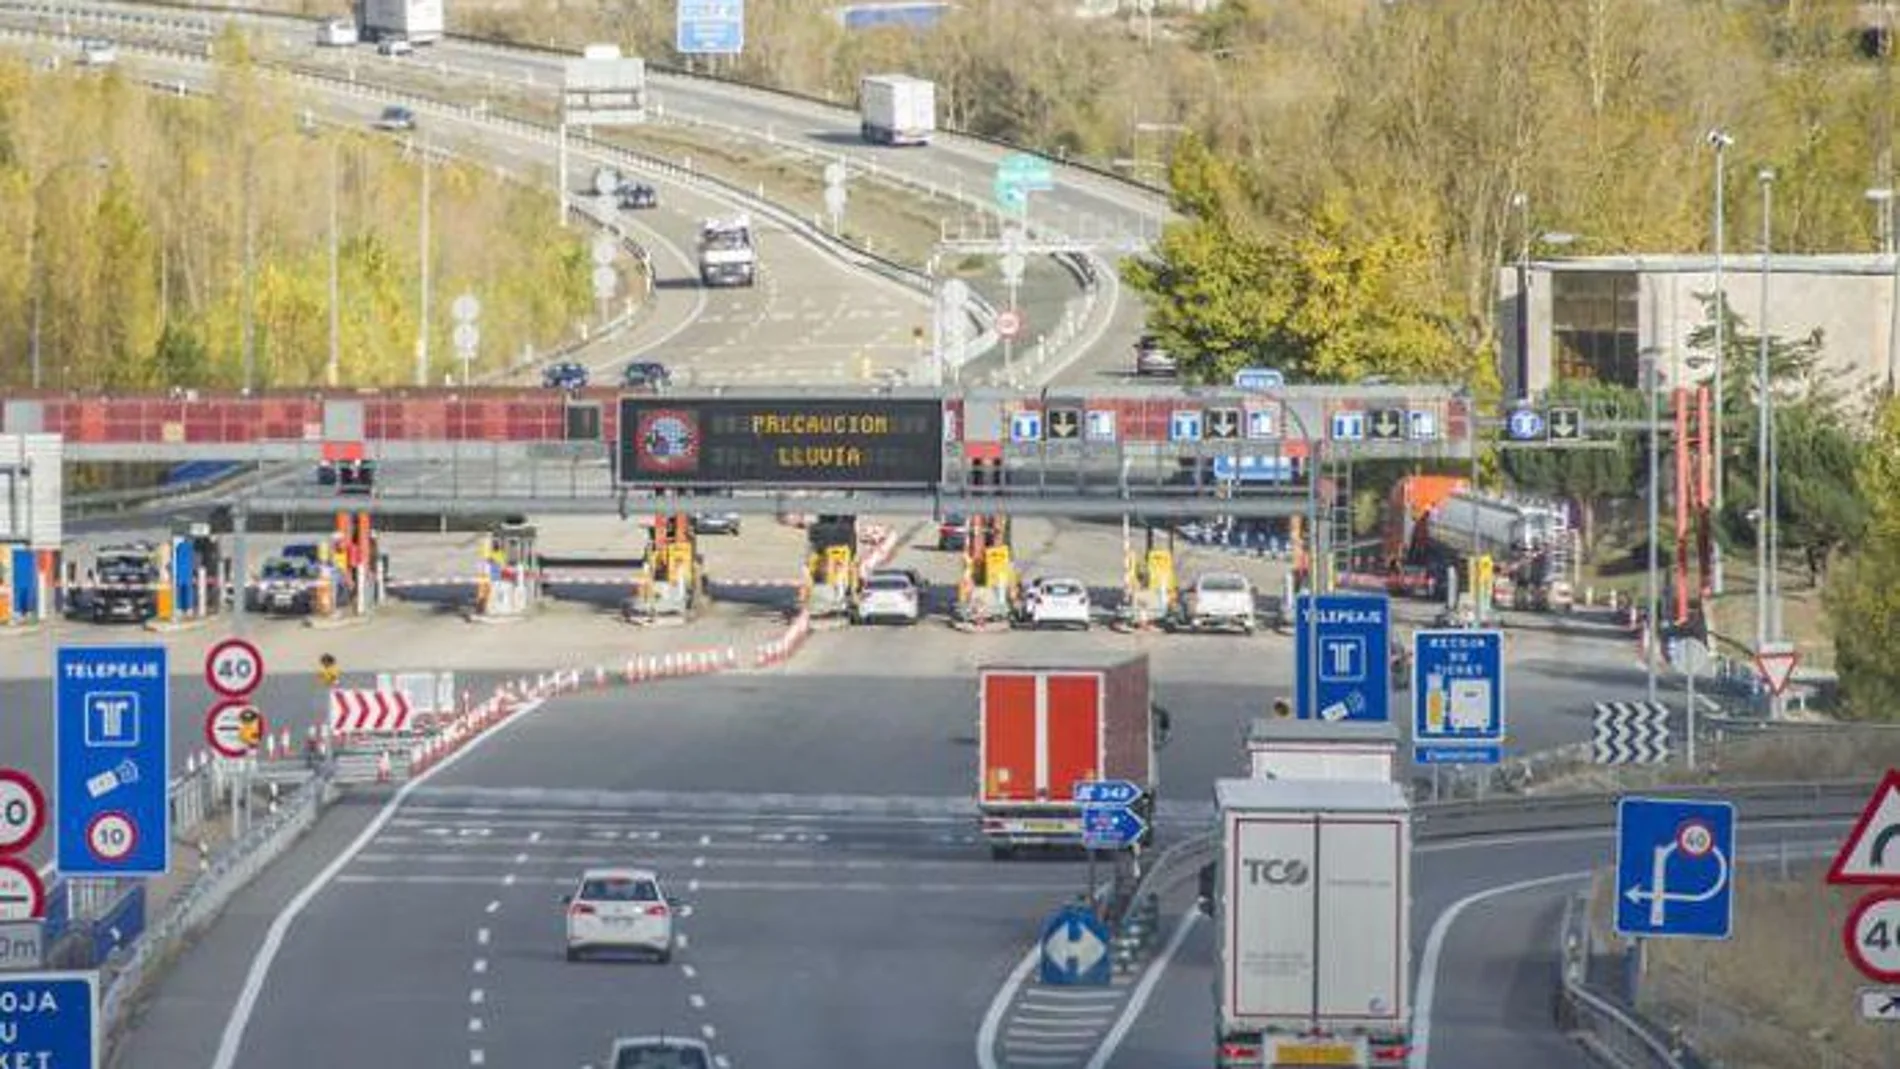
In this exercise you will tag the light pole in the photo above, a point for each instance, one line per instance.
(1764, 417)
(333, 370)
(32, 252)
(1720, 140)
(1885, 198)
(422, 323)
(1652, 384)
(1522, 202)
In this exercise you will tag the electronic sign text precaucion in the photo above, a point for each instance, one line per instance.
(669, 441)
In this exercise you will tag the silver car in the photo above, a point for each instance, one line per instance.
(1153, 359)
(619, 909)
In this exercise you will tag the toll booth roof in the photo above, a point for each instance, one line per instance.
(1310, 795)
(1279, 729)
(1086, 661)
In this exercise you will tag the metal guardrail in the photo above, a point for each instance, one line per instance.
(850, 253)
(1613, 1034)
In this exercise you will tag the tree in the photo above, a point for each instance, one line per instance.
(1820, 506)
(1863, 593)
(1584, 475)
(1320, 294)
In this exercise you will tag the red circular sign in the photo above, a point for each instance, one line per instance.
(1872, 936)
(1009, 323)
(221, 727)
(234, 668)
(22, 895)
(22, 811)
(111, 836)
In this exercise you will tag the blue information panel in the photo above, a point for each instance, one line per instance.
(49, 1020)
(1075, 946)
(113, 715)
(1353, 658)
(709, 27)
(1458, 697)
(1674, 868)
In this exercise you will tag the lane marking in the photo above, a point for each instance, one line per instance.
(1427, 992)
(232, 1038)
(476, 1057)
(477, 996)
(698, 1000)
(709, 1031)
(521, 859)
(1150, 977)
(699, 862)
(680, 940)
(993, 1017)
(688, 971)
(482, 936)
(692, 885)
(474, 1024)
(481, 965)
(494, 906)
(506, 881)
(534, 836)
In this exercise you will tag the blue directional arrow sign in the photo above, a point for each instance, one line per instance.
(1111, 827)
(113, 719)
(1352, 659)
(1107, 792)
(1675, 868)
(1075, 949)
(49, 1020)
(1458, 697)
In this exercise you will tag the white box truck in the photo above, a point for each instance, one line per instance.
(1302, 749)
(418, 22)
(897, 109)
(1312, 903)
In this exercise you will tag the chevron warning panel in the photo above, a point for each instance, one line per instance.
(1630, 733)
(354, 711)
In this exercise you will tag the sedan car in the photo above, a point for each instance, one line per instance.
(566, 375)
(1057, 602)
(396, 117)
(887, 596)
(658, 1052)
(619, 909)
(638, 196)
(395, 46)
(1153, 359)
(645, 375)
(715, 523)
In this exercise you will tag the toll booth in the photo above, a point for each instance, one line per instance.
(509, 582)
(990, 589)
(831, 565)
(193, 571)
(672, 577)
(28, 583)
(1151, 588)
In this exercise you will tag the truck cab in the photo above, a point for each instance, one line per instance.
(726, 253)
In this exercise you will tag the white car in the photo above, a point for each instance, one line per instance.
(888, 596)
(395, 46)
(658, 1052)
(98, 53)
(619, 909)
(1061, 602)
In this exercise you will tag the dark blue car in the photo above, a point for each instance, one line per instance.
(564, 376)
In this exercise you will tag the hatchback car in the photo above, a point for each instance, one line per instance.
(657, 1052)
(1057, 603)
(395, 46)
(619, 909)
(887, 596)
(1152, 358)
(396, 117)
(645, 375)
(566, 375)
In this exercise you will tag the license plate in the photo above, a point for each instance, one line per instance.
(1315, 1054)
(1047, 825)
(618, 922)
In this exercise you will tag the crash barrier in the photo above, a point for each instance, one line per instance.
(1614, 1034)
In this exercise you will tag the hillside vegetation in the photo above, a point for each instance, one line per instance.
(126, 205)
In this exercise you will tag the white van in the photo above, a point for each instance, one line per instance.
(337, 33)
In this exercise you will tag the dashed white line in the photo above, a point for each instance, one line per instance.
(476, 1057)
(482, 935)
(521, 859)
(688, 971)
(534, 836)
(493, 907)
(481, 965)
(698, 1001)
(508, 880)
(680, 940)
(709, 1031)
(722, 1062)
(476, 996)
(692, 885)
(699, 862)
(474, 1024)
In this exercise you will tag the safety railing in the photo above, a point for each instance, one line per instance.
(1612, 1033)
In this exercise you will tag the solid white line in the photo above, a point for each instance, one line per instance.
(993, 1017)
(1435, 949)
(1139, 1000)
(232, 1038)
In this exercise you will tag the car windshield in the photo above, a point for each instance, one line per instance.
(282, 569)
(660, 1057)
(1225, 584)
(887, 583)
(1062, 588)
(620, 889)
(725, 240)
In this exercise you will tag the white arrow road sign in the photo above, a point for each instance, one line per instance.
(1083, 950)
(1880, 1004)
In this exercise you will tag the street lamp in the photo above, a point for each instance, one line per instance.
(96, 162)
(1885, 198)
(1721, 142)
(1522, 202)
(1764, 535)
(1651, 358)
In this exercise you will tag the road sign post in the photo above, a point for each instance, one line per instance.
(1674, 868)
(50, 1020)
(1343, 658)
(112, 710)
(1776, 662)
(1458, 697)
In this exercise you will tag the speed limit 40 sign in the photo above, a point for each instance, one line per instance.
(22, 811)
(234, 668)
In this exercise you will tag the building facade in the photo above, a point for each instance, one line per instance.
(1594, 317)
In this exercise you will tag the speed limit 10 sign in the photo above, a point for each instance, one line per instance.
(234, 668)
(22, 811)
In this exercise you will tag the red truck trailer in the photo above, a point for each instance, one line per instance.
(1044, 726)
